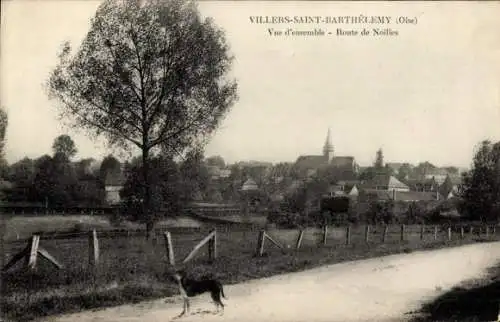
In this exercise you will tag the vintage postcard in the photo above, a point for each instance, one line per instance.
(249, 160)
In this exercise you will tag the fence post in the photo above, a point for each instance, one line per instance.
(367, 233)
(260, 243)
(471, 231)
(169, 247)
(325, 234)
(487, 231)
(449, 233)
(299, 239)
(461, 232)
(93, 248)
(384, 234)
(422, 232)
(402, 232)
(348, 235)
(435, 232)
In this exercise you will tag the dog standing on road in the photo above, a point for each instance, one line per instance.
(191, 287)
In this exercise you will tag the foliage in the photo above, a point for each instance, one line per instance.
(64, 145)
(380, 213)
(367, 174)
(335, 204)
(83, 168)
(423, 168)
(149, 74)
(194, 176)
(55, 180)
(416, 214)
(4, 121)
(22, 172)
(302, 199)
(164, 184)
(109, 165)
(482, 183)
(289, 220)
(405, 171)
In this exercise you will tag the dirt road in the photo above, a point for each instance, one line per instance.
(379, 289)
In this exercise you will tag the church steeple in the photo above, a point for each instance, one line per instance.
(328, 147)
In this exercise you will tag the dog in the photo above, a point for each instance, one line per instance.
(190, 287)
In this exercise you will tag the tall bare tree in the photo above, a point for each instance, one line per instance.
(150, 74)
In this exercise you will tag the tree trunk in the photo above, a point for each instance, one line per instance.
(146, 202)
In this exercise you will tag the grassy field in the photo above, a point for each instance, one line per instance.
(22, 227)
(133, 269)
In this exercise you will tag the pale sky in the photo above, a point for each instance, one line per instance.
(430, 93)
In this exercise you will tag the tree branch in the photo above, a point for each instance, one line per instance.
(101, 127)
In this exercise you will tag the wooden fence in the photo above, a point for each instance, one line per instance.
(281, 239)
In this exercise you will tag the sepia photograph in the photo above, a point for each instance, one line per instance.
(215, 160)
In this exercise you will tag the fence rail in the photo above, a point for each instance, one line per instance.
(39, 209)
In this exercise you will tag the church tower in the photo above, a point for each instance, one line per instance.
(328, 148)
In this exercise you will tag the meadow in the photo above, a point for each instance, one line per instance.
(132, 269)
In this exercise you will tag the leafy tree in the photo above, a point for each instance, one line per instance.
(21, 174)
(380, 213)
(303, 198)
(65, 146)
(83, 168)
(256, 172)
(55, 180)
(4, 120)
(368, 174)
(194, 176)
(236, 173)
(165, 187)
(216, 160)
(482, 183)
(405, 171)
(423, 168)
(109, 164)
(44, 180)
(88, 192)
(230, 191)
(149, 74)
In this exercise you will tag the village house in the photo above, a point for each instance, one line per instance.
(348, 188)
(422, 185)
(113, 184)
(437, 174)
(386, 183)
